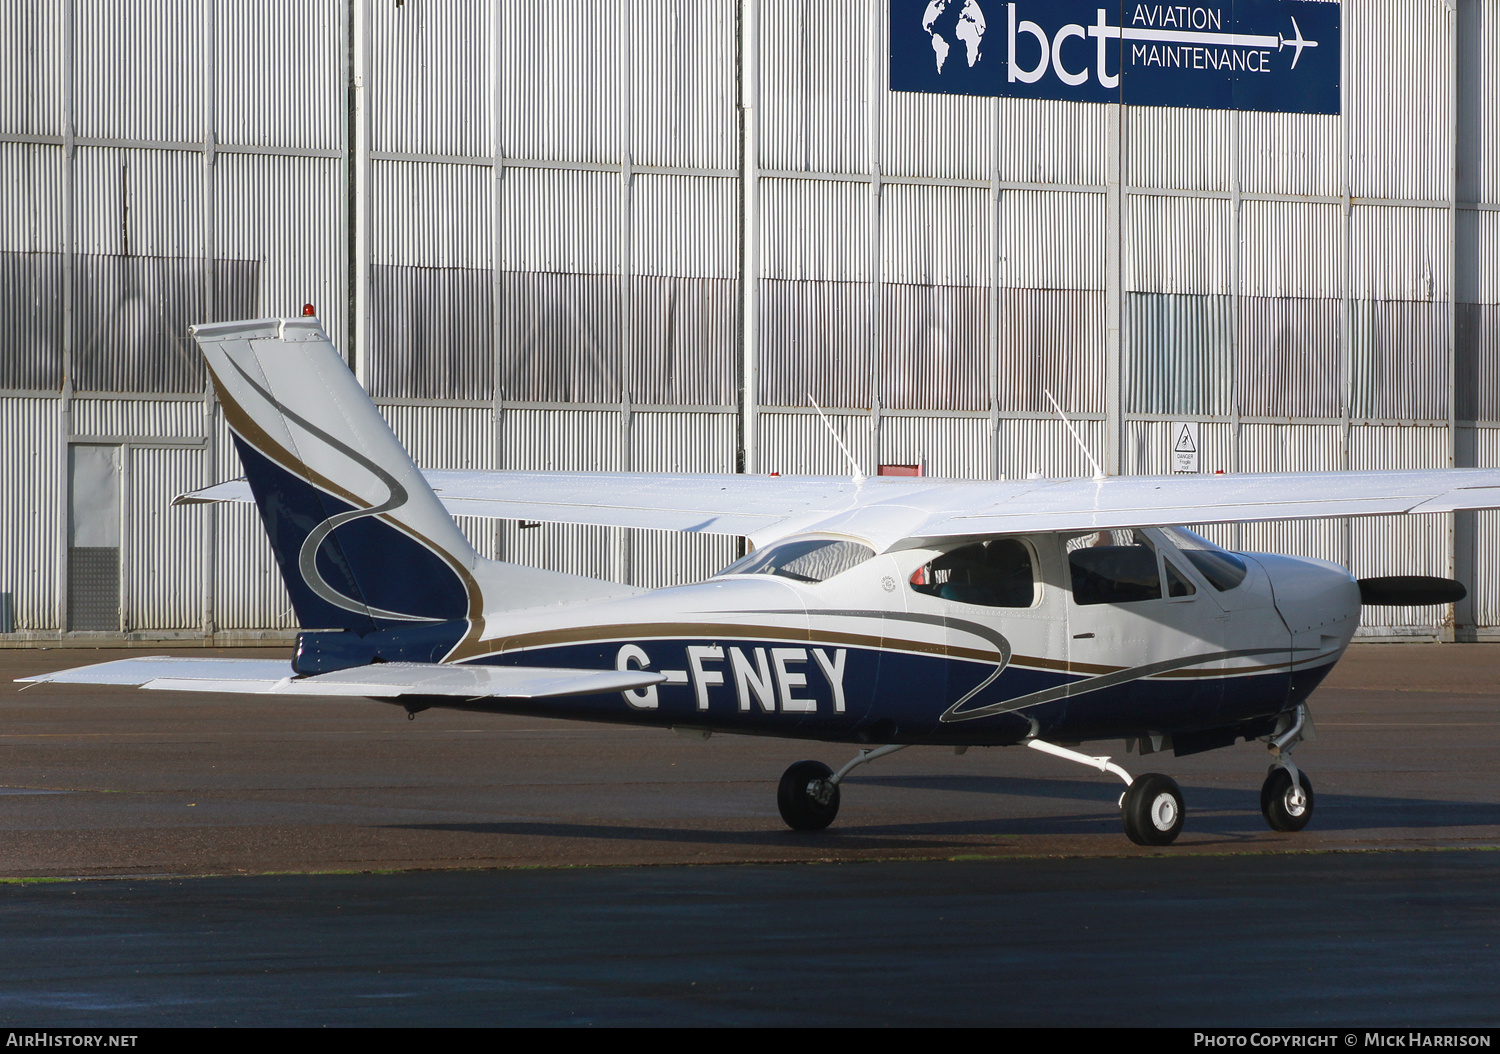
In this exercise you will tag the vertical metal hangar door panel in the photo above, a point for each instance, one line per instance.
(279, 74)
(815, 85)
(815, 292)
(560, 235)
(937, 248)
(1478, 316)
(1400, 117)
(248, 591)
(286, 213)
(31, 320)
(1289, 360)
(1178, 148)
(1050, 340)
(564, 76)
(682, 346)
(163, 571)
(33, 478)
(433, 60)
(121, 52)
(683, 94)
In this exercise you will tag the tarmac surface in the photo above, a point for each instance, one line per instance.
(1334, 941)
(116, 781)
(463, 869)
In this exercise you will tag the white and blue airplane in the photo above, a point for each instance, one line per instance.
(887, 612)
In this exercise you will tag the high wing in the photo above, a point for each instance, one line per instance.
(740, 505)
(767, 507)
(384, 680)
(1161, 501)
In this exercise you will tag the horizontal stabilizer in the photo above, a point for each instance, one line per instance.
(383, 680)
(136, 672)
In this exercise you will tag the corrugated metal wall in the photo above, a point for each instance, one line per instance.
(554, 274)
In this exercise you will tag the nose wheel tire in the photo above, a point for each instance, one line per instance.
(1283, 810)
(1151, 810)
(808, 802)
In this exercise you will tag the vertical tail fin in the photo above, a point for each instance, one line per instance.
(362, 541)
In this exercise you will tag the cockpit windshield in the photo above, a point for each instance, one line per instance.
(803, 559)
(1223, 569)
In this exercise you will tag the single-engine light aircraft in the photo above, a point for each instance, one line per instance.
(886, 612)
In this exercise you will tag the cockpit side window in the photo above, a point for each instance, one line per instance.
(998, 573)
(803, 560)
(1177, 584)
(1113, 567)
(1223, 569)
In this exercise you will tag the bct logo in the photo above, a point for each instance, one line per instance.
(1271, 55)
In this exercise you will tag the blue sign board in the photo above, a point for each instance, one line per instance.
(1280, 56)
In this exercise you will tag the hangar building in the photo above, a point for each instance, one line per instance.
(643, 234)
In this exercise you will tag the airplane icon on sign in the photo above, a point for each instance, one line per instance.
(1203, 39)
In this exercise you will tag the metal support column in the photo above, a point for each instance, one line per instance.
(69, 327)
(746, 458)
(1114, 292)
(361, 188)
(209, 516)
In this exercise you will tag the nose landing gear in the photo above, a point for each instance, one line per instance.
(1286, 798)
(1287, 806)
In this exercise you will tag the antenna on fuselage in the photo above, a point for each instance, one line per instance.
(1098, 472)
(859, 477)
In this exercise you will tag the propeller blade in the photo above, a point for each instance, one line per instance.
(1410, 590)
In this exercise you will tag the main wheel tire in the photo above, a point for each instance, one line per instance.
(799, 808)
(1276, 804)
(1152, 811)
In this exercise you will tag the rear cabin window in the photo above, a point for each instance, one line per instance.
(1113, 567)
(804, 560)
(997, 573)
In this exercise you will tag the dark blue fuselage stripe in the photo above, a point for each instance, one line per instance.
(899, 694)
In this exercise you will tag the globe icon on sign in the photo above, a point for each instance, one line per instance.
(953, 22)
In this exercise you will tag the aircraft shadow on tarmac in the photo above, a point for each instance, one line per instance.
(1224, 808)
(1229, 813)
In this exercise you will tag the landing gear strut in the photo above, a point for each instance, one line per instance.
(808, 795)
(1151, 809)
(1286, 798)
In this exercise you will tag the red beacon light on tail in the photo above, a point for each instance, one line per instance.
(308, 311)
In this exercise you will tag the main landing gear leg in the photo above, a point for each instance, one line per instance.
(1286, 798)
(1150, 809)
(808, 796)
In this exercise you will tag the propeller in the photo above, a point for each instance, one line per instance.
(1410, 590)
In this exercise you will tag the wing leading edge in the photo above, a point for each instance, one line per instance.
(737, 505)
(1158, 501)
(766, 507)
